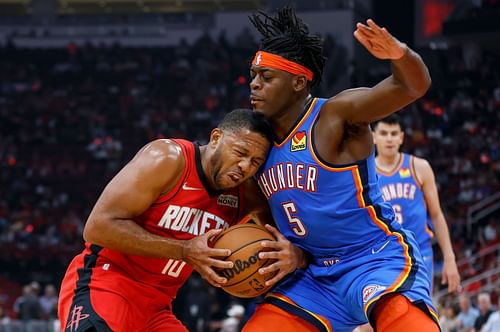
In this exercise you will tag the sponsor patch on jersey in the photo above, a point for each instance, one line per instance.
(298, 142)
(228, 200)
(404, 172)
(370, 290)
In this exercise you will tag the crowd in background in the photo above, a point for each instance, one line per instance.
(70, 118)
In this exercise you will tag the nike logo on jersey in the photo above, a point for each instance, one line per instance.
(186, 187)
(380, 249)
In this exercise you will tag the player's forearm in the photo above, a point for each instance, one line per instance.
(129, 238)
(443, 237)
(411, 73)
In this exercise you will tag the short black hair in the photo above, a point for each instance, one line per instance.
(243, 118)
(392, 119)
(288, 36)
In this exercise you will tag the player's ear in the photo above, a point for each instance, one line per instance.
(402, 137)
(299, 82)
(215, 137)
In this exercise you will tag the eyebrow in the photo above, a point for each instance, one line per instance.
(241, 147)
(262, 69)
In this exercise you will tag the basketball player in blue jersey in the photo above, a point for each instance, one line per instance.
(408, 183)
(321, 184)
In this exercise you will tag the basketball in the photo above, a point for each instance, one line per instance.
(244, 279)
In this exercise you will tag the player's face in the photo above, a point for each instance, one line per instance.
(237, 157)
(388, 138)
(271, 90)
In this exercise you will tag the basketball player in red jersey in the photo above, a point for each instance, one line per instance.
(151, 226)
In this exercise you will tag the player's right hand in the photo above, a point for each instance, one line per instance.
(378, 41)
(202, 258)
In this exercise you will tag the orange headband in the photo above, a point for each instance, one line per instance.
(274, 61)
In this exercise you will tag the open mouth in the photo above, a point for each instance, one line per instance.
(235, 177)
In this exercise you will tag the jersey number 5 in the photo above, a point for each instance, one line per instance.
(296, 224)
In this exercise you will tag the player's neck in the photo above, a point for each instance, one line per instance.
(206, 166)
(284, 121)
(388, 162)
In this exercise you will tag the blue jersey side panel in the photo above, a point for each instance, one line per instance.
(401, 188)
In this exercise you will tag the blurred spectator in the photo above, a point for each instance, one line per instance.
(485, 310)
(467, 315)
(493, 323)
(28, 306)
(4, 319)
(48, 302)
(449, 321)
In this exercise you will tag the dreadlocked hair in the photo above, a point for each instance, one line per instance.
(287, 35)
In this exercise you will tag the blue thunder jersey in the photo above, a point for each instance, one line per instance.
(401, 188)
(336, 213)
(312, 201)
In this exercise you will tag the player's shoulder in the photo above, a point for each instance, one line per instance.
(345, 100)
(423, 170)
(163, 151)
(420, 163)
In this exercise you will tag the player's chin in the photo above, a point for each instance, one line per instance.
(228, 183)
(259, 107)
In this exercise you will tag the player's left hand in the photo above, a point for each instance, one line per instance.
(378, 41)
(288, 257)
(450, 275)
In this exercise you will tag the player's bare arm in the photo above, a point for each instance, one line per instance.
(345, 117)
(409, 81)
(426, 177)
(289, 257)
(153, 171)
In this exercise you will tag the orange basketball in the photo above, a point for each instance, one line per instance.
(244, 279)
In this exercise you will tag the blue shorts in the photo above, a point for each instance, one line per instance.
(343, 294)
(428, 257)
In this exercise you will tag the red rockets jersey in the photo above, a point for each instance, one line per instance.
(188, 210)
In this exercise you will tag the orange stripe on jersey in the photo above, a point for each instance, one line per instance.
(395, 169)
(414, 173)
(429, 231)
(406, 271)
(359, 187)
(433, 313)
(321, 319)
(292, 132)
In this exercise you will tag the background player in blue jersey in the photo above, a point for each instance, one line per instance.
(322, 187)
(408, 183)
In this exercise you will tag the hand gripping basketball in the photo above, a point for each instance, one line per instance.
(244, 241)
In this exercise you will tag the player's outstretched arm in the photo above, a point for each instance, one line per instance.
(409, 81)
(154, 170)
(426, 176)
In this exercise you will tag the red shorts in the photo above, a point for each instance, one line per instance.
(95, 298)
